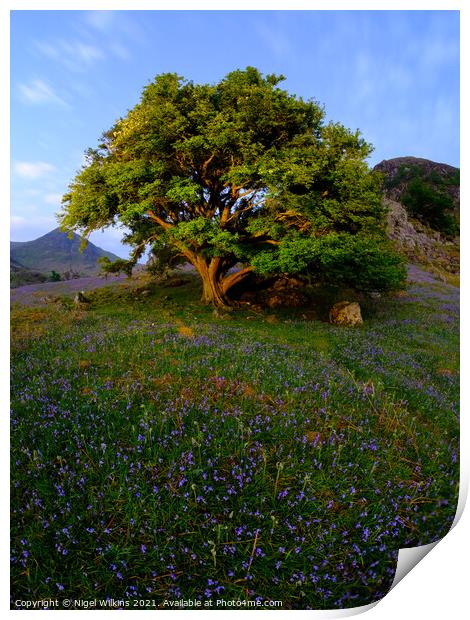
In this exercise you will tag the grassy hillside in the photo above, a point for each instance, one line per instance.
(56, 252)
(161, 453)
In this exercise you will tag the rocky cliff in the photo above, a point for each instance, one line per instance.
(412, 236)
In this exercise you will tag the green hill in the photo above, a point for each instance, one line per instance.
(56, 252)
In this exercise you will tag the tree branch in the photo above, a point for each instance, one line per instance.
(155, 218)
(206, 163)
(234, 278)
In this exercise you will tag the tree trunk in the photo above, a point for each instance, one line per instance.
(212, 292)
(214, 286)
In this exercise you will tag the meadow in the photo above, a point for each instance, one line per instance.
(160, 452)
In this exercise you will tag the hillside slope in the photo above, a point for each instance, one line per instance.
(56, 252)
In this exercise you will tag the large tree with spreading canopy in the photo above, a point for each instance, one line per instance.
(238, 177)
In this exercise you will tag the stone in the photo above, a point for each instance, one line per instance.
(80, 298)
(346, 313)
(375, 295)
(288, 298)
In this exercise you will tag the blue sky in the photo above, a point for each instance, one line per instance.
(392, 74)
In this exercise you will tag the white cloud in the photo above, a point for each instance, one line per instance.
(33, 170)
(37, 91)
(83, 52)
(75, 55)
(53, 199)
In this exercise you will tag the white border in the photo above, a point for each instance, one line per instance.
(439, 586)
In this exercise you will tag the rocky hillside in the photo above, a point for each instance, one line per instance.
(422, 199)
(429, 191)
(399, 171)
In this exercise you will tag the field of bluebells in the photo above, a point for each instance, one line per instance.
(161, 453)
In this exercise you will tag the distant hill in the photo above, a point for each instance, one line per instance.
(56, 252)
(20, 275)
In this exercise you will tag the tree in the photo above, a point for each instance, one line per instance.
(120, 265)
(239, 176)
(54, 277)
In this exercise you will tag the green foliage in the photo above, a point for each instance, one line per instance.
(54, 277)
(431, 205)
(119, 265)
(227, 172)
(426, 196)
(360, 261)
(163, 257)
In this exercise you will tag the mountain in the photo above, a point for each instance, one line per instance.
(400, 171)
(56, 252)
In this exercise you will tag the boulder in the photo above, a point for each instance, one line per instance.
(80, 298)
(346, 313)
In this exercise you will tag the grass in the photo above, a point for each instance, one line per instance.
(160, 453)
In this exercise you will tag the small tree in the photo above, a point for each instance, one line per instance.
(54, 277)
(431, 205)
(163, 258)
(117, 266)
(240, 173)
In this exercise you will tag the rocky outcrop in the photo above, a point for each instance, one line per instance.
(418, 242)
(415, 237)
(282, 292)
(403, 232)
(346, 313)
(286, 299)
